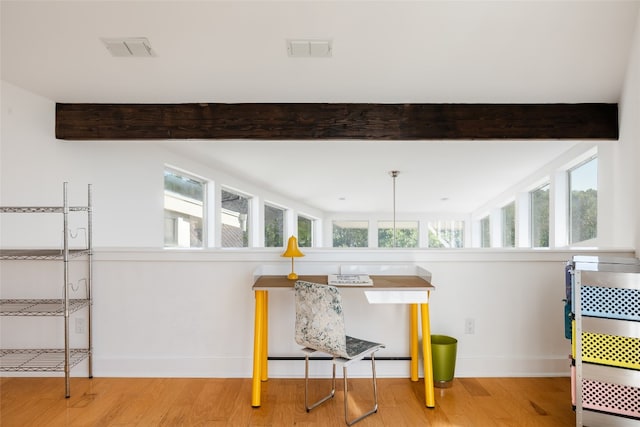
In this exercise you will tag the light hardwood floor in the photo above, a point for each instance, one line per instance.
(172, 402)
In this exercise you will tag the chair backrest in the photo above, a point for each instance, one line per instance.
(319, 318)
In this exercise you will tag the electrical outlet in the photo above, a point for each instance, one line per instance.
(469, 326)
(80, 325)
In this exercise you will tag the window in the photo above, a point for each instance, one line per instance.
(485, 232)
(350, 234)
(509, 225)
(583, 201)
(305, 232)
(539, 202)
(235, 220)
(183, 211)
(273, 227)
(406, 234)
(446, 234)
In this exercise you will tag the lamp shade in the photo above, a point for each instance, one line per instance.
(292, 250)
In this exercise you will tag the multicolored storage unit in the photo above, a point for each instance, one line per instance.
(604, 304)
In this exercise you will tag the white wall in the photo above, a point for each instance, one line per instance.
(163, 313)
(628, 158)
(160, 313)
(162, 316)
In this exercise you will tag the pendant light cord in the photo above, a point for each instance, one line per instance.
(394, 175)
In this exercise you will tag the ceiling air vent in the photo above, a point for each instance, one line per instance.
(309, 48)
(132, 47)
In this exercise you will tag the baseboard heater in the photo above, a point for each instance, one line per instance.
(330, 358)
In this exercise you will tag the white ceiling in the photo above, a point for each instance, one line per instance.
(383, 52)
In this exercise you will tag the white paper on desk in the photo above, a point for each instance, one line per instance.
(349, 280)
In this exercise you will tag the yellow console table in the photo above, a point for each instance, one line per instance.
(401, 289)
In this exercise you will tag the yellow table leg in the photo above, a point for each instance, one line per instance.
(413, 341)
(429, 392)
(258, 347)
(264, 370)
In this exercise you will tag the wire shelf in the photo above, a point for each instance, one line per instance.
(40, 254)
(39, 307)
(39, 360)
(61, 359)
(31, 209)
(41, 209)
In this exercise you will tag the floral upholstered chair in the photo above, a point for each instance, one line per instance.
(320, 327)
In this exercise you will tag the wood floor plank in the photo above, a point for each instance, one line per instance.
(217, 402)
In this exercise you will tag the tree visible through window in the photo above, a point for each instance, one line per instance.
(350, 234)
(406, 234)
(446, 234)
(305, 232)
(183, 211)
(273, 227)
(485, 232)
(583, 201)
(540, 217)
(509, 225)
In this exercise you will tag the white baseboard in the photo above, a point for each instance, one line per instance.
(242, 368)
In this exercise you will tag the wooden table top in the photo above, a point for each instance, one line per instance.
(379, 282)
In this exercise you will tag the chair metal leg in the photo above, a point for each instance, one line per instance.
(346, 399)
(306, 386)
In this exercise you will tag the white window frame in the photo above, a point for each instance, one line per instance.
(503, 224)
(449, 223)
(481, 227)
(204, 209)
(532, 217)
(312, 233)
(568, 199)
(368, 227)
(250, 221)
(284, 223)
(382, 224)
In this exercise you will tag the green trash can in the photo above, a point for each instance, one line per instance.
(443, 350)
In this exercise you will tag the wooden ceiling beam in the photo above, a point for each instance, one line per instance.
(305, 121)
